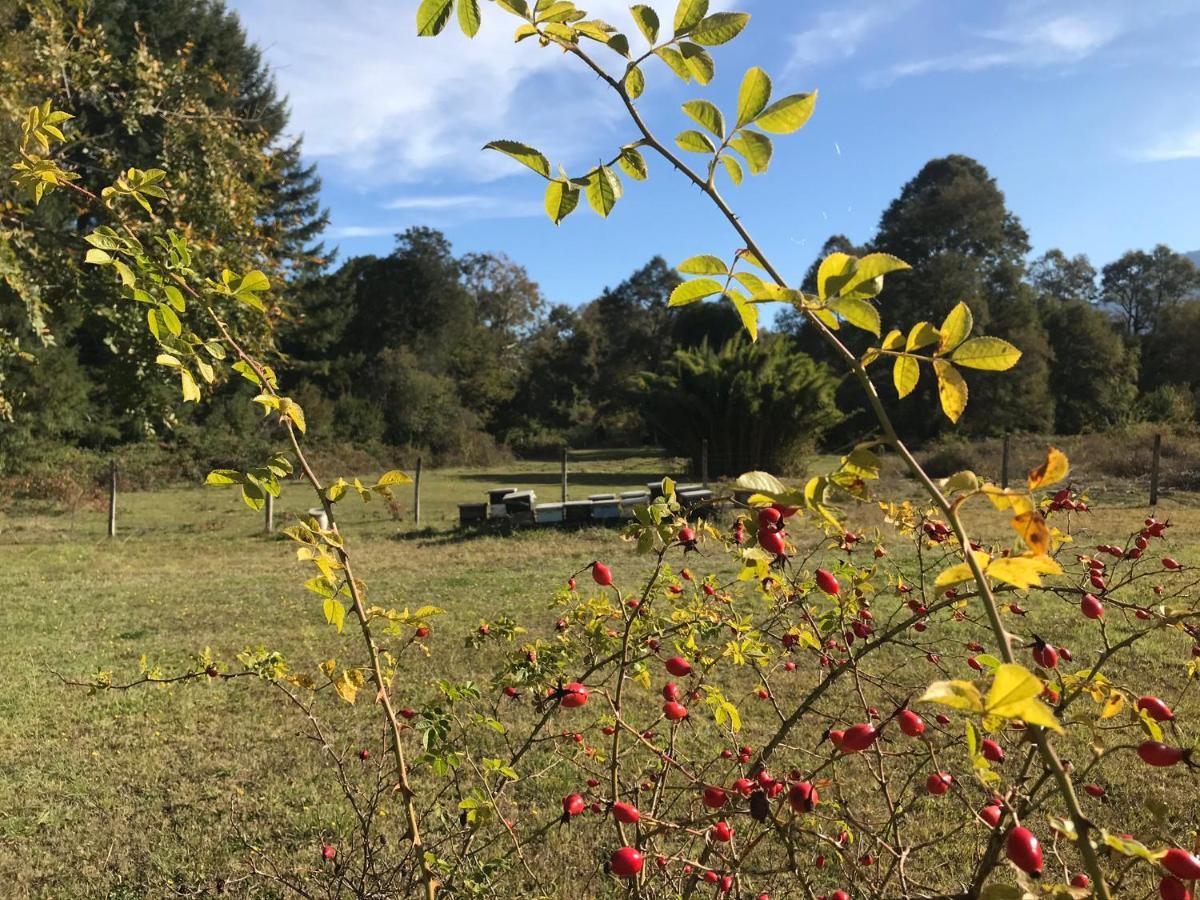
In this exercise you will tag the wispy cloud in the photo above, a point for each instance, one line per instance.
(378, 105)
(451, 201)
(840, 33)
(1184, 144)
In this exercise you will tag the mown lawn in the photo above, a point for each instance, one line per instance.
(155, 792)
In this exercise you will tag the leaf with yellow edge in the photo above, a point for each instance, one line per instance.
(990, 353)
(894, 340)
(1053, 470)
(951, 389)
(921, 335)
(1031, 526)
(955, 694)
(961, 572)
(906, 374)
(1013, 695)
(1022, 572)
(956, 327)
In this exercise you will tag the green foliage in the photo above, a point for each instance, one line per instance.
(758, 405)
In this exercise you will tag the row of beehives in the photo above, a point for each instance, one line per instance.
(518, 506)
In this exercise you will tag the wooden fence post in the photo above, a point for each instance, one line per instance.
(417, 494)
(1154, 470)
(112, 498)
(704, 461)
(564, 474)
(1004, 463)
(269, 514)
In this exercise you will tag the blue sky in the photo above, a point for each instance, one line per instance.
(1087, 113)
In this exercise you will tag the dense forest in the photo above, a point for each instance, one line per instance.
(460, 355)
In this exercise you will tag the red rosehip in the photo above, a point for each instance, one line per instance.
(939, 783)
(626, 862)
(1171, 888)
(1181, 864)
(679, 667)
(674, 711)
(1023, 849)
(991, 814)
(827, 582)
(803, 797)
(328, 852)
(992, 751)
(858, 738)
(1155, 753)
(601, 574)
(1156, 709)
(573, 805)
(771, 541)
(910, 723)
(714, 797)
(574, 695)
(1091, 606)
(721, 832)
(624, 812)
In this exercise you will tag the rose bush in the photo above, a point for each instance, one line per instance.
(774, 704)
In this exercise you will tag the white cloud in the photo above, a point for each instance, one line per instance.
(838, 34)
(379, 105)
(449, 201)
(1181, 145)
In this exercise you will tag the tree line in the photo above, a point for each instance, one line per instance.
(461, 355)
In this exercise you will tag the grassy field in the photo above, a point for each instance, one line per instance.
(152, 792)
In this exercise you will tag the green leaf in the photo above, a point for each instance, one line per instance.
(755, 148)
(97, 257)
(688, 14)
(635, 82)
(171, 320)
(675, 61)
(695, 141)
(432, 16)
(603, 190)
(753, 96)
(175, 297)
(523, 154)
(707, 115)
(224, 476)
(691, 291)
(516, 7)
(632, 163)
(733, 168)
(990, 353)
(702, 265)
(956, 327)
(699, 62)
(620, 44)
(166, 359)
(561, 199)
(468, 21)
(255, 282)
(859, 313)
(391, 478)
(647, 21)
(789, 114)
(905, 375)
(719, 28)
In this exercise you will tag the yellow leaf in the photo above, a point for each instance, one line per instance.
(1006, 498)
(191, 391)
(955, 328)
(1054, 469)
(990, 353)
(395, 476)
(1014, 694)
(951, 389)
(832, 272)
(858, 313)
(347, 686)
(289, 409)
(921, 335)
(1031, 526)
(955, 694)
(906, 374)
(1022, 572)
(893, 341)
(961, 572)
(328, 667)
(1113, 706)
